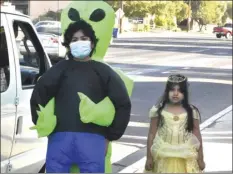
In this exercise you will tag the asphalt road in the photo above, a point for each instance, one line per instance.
(205, 60)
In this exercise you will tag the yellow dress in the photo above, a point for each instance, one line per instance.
(174, 150)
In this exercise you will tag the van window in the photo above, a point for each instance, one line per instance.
(31, 55)
(4, 61)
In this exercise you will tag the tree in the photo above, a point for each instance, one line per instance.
(49, 15)
(157, 8)
(166, 11)
(115, 4)
(227, 13)
(220, 10)
(229, 9)
(208, 12)
(138, 9)
(182, 11)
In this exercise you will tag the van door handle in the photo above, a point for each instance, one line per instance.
(19, 125)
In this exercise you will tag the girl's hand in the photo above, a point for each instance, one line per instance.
(201, 164)
(149, 164)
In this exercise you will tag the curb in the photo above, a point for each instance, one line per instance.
(215, 117)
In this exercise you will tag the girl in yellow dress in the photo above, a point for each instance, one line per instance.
(174, 142)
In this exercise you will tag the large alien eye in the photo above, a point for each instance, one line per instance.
(97, 15)
(73, 15)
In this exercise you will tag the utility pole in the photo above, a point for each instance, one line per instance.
(121, 6)
(189, 16)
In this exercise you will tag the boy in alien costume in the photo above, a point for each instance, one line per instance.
(101, 17)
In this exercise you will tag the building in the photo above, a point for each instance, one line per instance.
(36, 8)
(22, 5)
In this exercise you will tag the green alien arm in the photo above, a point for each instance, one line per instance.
(46, 121)
(42, 100)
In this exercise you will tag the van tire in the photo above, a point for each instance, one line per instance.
(218, 35)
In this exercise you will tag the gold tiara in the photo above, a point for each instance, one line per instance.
(176, 78)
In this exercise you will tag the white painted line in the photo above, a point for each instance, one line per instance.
(186, 68)
(215, 117)
(131, 144)
(135, 166)
(138, 124)
(142, 71)
(135, 137)
(215, 132)
(200, 72)
(168, 45)
(199, 51)
(226, 67)
(140, 78)
(221, 53)
(145, 138)
(166, 72)
(213, 138)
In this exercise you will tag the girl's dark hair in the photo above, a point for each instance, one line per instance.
(77, 26)
(165, 99)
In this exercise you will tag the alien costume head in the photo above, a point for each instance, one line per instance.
(99, 15)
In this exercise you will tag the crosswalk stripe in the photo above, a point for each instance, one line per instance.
(203, 137)
(216, 132)
(138, 124)
(135, 137)
(131, 144)
(214, 138)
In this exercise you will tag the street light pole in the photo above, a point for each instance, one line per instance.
(189, 16)
(121, 6)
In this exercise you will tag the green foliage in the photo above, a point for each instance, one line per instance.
(136, 8)
(146, 27)
(49, 15)
(115, 4)
(182, 11)
(210, 12)
(229, 9)
(227, 13)
(204, 12)
(161, 21)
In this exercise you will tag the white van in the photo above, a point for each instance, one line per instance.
(21, 150)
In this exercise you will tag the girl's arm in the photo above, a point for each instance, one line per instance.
(197, 133)
(151, 135)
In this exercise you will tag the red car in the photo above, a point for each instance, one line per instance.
(225, 30)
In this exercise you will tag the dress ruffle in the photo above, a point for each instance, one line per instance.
(172, 158)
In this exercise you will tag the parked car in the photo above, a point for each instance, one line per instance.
(51, 38)
(48, 23)
(225, 30)
(21, 149)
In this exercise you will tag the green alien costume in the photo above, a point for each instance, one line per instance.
(101, 17)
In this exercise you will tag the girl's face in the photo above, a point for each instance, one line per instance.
(175, 95)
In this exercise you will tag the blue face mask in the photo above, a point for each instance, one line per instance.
(80, 49)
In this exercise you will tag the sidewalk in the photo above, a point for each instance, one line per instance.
(217, 145)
